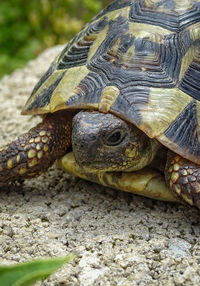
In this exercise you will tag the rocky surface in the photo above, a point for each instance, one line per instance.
(120, 239)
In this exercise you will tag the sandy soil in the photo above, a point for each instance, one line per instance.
(120, 239)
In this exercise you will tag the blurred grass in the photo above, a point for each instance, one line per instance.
(29, 27)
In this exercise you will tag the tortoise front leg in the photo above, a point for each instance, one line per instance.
(183, 178)
(146, 182)
(33, 152)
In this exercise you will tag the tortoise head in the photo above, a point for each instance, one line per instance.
(104, 142)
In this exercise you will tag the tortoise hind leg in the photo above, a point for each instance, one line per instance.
(183, 178)
(33, 152)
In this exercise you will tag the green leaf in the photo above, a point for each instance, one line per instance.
(26, 274)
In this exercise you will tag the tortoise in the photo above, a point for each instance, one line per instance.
(123, 96)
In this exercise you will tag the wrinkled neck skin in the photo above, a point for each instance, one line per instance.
(105, 143)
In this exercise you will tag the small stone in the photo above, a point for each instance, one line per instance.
(179, 247)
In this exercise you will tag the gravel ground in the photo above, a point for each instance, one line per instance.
(120, 239)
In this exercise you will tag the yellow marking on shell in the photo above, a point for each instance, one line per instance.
(46, 148)
(176, 167)
(22, 171)
(40, 154)
(113, 52)
(179, 6)
(153, 5)
(164, 105)
(148, 31)
(42, 133)
(31, 153)
(183, 6)
(194, 31)
(108, 97)
(67, 87)
(126, 58)
(45, 139)
(10, 164)
(124, 12)
(96, 44)
(44, 109)
(174, 177)
(48, 133)
(1, 168)
(38, 147)
(186, 61)
(170, 169)
(37, 139)
(188, 200)
(33, 162)
(90, 37)
(18, 158)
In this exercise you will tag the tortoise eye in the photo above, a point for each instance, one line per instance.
(115, 138)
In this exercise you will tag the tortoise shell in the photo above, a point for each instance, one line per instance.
(140, 60)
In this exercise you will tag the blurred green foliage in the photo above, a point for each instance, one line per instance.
(28, 27)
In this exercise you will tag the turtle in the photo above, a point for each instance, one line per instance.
(120, 104)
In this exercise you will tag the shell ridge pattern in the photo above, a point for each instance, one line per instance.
(169, 17)
(43, 98)
(116, 30)
(190, 82)
(142, 48)
(184, 131)
(140, 70)
(115, 5)
(130, 106)
(76, 52)
(88, 91)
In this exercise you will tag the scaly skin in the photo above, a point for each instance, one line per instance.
(33, 152)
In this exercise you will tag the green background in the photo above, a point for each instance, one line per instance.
(27, 27)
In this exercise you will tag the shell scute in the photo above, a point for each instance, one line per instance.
(149, 51)
(174, 15)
